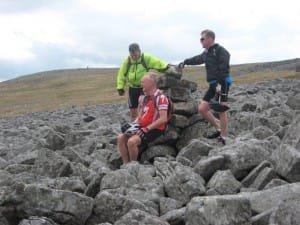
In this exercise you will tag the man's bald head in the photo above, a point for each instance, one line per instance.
(149, 82)
(151, 76)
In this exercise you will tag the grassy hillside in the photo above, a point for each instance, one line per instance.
(64, 88)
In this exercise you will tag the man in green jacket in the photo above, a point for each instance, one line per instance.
(132, 71)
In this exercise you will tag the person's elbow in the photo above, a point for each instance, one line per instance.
(164, 118)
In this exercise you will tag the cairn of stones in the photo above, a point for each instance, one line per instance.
(63, 167)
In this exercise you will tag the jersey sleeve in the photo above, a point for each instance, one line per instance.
(196, 60)
(162, 102)
(153, 62)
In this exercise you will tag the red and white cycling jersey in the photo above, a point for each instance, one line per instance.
(149, 112)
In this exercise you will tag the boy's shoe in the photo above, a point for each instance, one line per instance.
(221, 140)
(214, 134)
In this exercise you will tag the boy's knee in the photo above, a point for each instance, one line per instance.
(130, 143)
(203, 107)
(121, 138)
(202, 110)
(133, 141)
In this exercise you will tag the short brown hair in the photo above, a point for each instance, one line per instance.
(134, 47)
(209, 34)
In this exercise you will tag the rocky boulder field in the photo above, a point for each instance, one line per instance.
(64, 168)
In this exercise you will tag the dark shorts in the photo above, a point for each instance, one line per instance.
(133, 99)
(211, 92)
(149, 137)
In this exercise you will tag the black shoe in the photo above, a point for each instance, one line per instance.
(214, 135)
(221, 140)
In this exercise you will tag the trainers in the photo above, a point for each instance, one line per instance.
(221, 140)
(214, 135)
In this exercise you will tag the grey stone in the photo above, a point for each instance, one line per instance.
(175, 217)
(286, 213)
(243, 156)
(223, 182)
(55, 140)
(111, 207)
(264, 177)
(262, 218)
(294, 102)
(207, 167)
(266, 199)
(195, 150)
(49, 163)
(93, 187)
(168, 204)
(136, 216)
(184, 184)
(225, 210)
(65, 207)
(274, 183)
(34, 220)
(3, 163)
(249, 179)
(18, 168)
(157, 151)
(116, 179)
(262, 132)
(287, 156)
(186, 108)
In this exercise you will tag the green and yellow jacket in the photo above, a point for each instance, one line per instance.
(133, 71)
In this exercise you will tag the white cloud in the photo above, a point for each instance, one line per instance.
(15, 47)
(135, 8)
(80, 33)
(22, 31)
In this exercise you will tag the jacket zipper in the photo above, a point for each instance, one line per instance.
(135, 71)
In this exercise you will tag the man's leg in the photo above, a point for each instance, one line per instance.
(223, 115)
(204, 110)
(223, 123)
(133, 102)
(122, 145)
(133, 147)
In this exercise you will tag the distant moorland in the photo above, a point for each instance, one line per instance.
(55, 89)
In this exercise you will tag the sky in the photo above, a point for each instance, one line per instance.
(47, 35)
